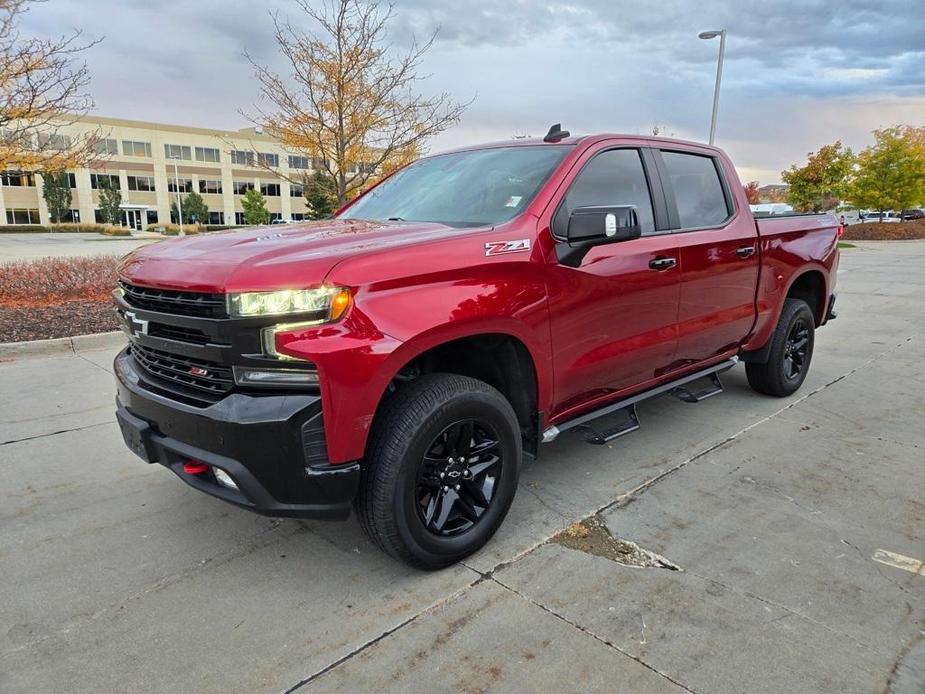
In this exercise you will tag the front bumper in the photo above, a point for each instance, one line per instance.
(271, 445)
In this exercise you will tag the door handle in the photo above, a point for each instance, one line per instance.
(662, 263)
(745, 251)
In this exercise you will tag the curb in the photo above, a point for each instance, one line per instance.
(62, 345)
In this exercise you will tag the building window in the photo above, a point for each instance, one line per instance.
(106, 146)
(18, 216)
(96, 179)
(296, 190)
(186, 185)
(18, 179)
(71, 217)
(216, 217)
(207, 154)
(141, 183)
(242, 158)
(98, 216)
(177, 152)
(71, 180)
(54, 141)
(318, 162)
(239, 218)
(298, 162)
(275, 216)
(210, 186)
(241, 187)
(132, 148)
(298, 216)
(270, 189)
(151, 216)
(267, 159)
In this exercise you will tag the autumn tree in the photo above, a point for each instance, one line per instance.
(42, 90)
(751, 192)
(109, 202)
(350, 102)
(821, 182)
(891, 173)
(56, 190)
(255, 207)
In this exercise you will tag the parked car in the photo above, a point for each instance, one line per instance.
(405, 358)
(908, 215)
(881, 217)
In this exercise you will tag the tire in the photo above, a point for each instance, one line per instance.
(791, 348)
(412, 442)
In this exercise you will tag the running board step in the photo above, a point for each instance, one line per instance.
(599, 438)
(687, 395)
(628, 405)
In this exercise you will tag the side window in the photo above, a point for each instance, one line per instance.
(698, 191)
(614, 177)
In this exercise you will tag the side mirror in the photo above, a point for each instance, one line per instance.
(594, 226)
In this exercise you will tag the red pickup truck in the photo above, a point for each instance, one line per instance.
(407, 355)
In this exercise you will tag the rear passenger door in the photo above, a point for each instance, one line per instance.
(718, 250)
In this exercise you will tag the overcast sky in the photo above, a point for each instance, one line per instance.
(798, 73)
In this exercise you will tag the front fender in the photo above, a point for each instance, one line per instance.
(389, 326)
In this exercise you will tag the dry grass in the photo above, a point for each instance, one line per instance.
(51, 281)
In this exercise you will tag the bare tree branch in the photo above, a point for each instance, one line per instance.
(42, 90)
(348, 100)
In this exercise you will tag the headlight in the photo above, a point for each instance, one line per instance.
(321, 304)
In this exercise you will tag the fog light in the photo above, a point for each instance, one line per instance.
(223, 478)
(246, 376)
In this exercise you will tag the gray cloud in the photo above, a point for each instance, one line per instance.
(596, 65)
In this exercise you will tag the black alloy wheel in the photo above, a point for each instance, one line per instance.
(457, 477)
(795, 349)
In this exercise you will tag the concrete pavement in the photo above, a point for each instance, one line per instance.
(789, 520)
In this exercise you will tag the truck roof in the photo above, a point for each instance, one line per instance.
(575, 139)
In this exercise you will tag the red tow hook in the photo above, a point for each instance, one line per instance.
(194, 467)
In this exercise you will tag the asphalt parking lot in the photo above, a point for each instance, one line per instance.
(798, 526)
(30, 246)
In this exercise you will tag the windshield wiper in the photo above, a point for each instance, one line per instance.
(395, 219)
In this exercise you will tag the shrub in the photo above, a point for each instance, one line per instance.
(49, 281)
(21, 228)
(115, 231)
(174, 229)
(902, 231)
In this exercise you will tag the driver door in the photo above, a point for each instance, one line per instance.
(614, 317)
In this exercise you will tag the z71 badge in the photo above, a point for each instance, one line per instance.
(502, 247)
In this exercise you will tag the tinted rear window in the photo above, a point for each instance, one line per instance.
(698, 191)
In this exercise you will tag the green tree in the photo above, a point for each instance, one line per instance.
(819, 184)
(195, 209)
(320, 196)
(110, 199)
(255, 207)
(56, 189)
(891, 172)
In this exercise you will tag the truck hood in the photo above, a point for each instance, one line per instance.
(267, 258)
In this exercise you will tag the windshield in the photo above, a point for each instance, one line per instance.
(479, 187)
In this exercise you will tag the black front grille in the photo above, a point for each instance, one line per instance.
(175, 332)
(193, 373)
(176, 302)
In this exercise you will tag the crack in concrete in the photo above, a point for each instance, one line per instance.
(55, 433)
(596, 637)
(385, 634)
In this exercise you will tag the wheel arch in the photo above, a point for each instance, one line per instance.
(499, 358)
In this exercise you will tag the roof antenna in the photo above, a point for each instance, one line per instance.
(556, 133)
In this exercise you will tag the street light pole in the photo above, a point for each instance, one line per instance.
(176, 179)
(719, 74)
